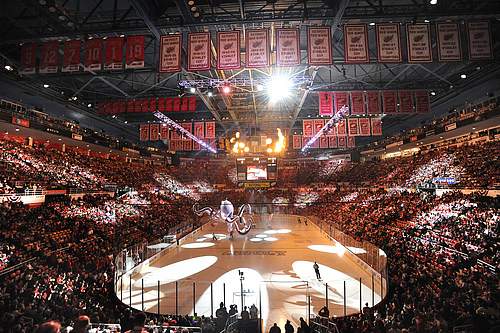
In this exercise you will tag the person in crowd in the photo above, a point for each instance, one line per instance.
(81, 324)
(245, 315)
(304, 327)
(138, 322)
(288, 327)
(275, 329)
(316, 270)
(254, 312)
(49, 327)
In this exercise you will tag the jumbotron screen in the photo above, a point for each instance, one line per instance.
(256, 168)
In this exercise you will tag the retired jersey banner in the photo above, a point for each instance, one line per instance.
(342, 141)
(319, 46)
(351, 142)
(188, 127)
(210, 130)
(318, 125)
(305, 140)
(144, 132)
(388, 43)
(353, 126)
(176, 135)
(356, 43)
(373, 102)
(405, 101)
(479, 37)
(164, 132)
(341, 99)
(175, 145)
(364, 126)
(154, 132)
(341, 127)
(187, 145)
(228, 50)
(307, 127)
(419, 42)
(389, 100)
(296, 142)
(448, 40)
(376, 124)
(287, 47)
(332, 141)
(422, 102)
(49, 59)
(28, 58)
(170, 53)
(135, 52)
(199, 130)
(257, 48)
(357, 103)
(71, 58)
(113, 53)
(196, 146)
(198, 51)
(323, 141)
(325, 103)
(93, 54)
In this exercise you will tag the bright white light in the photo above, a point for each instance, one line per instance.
(192, 90)
(202, 239)
(255, 239)
(284, 231)
(463, 76)
(260, 87)
(279, 88)
(73, 98)
(46, 85)
(270, 239)
(89, 105)
(9, 68)
(197, 245)
(426, 21)
(433, 2)
(372, 23)
(433, 93)
(210, 94)
(271, 232)
(261, 236)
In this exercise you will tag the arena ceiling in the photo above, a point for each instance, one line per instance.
(245, 107)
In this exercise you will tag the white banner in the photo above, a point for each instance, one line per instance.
(356, 43)
(388, 42)
(448, 36)
(479, 40)
(419, 42)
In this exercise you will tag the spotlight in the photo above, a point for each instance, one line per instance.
(210, 94)
(210, 91)
(372, 23)
(279, 88)
(226, 89)
(433, 2)
(9, 68)
(74, 98)
(463, 76)
(89, 105)
(192, 90)
(246, 149)
(46, 85)
(269, 141)
(126, 122)
(259, 87)
(433, 93)
(191, 2)
(193, 9)
(196, 14)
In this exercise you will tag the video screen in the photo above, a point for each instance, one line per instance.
(256, 172)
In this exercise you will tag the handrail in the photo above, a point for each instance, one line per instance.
(231, 320)
(332, 327)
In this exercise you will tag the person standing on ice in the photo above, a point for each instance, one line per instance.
(316, 270)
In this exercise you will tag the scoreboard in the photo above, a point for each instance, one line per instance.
(256, 171)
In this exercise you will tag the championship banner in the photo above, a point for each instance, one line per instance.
(188, 127)
(113, 53)
(422, 102)
(341, 127)
(144, 132)
(187, 145)
(353, 124)
(164, 132)
(154, 132)
(135, 52)
(332, 142)
(419, 42)
(152, 104)
(199, 129)
(373, 102)
(325, 103)
(198, 51)
(364, 127)
(341, 99)
(356, 43)
(479, 37)
(185, 104)
(176, 104)
(305, 140)
(192, 103)
(389, 101)
(170, 53)
(376, 126)
(357, 103)
(307, 127)
(323, 141)
(332, 130)
(342, 141)
(20, 121)
(210, 130)
(228, 50)
(319, 46)
(296, 142)
(405, 101)
(448, 40)
(388, 43)
(196, 146)
(49, 59)
(318, 125)
(169, 104)
(28, 58)
(315, 144)
(93, 54)
(71, 58)
(175, 145)
(351, 142)
(287, 47)
(257, 48)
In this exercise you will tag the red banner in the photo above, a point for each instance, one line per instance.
(364, 126)
(318, 125)
(169, 104)
(170, 53)
(353, 126)
(49, 59)
(448, 40)
(196, 146)
(305, 140)
(185, 104)
(154, 132)
(176, 104)
(135, 52)
(20, 121)
(405, 101)
(114, 53)
(373, 102)
(319, 46)
(325, 103)
(419, 42)
(341, 127)
(323, 141)
(307, 127)
(332, 141)
(315, 144)
(342, 141)
(130, 105)
(422, 102)
(199, 129)
(389, 98)
(188, 127)
(93, 54)
(228, 50)
(287, 47)
(296, 142)
(176, 135)
(257, 48)
(351, 142)
(164, 131)
(175, 145)
(388, 43)
(28, 58)
(356, 43)
(210, 130)
(144, 132)
(71, 59)
(479, 37)
(187, 145)
(357, 103)
(341, 99)
(198, 51)
(192, 103)
(152, 104)
(376, 126)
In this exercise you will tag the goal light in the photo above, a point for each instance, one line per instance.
(279, 88)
